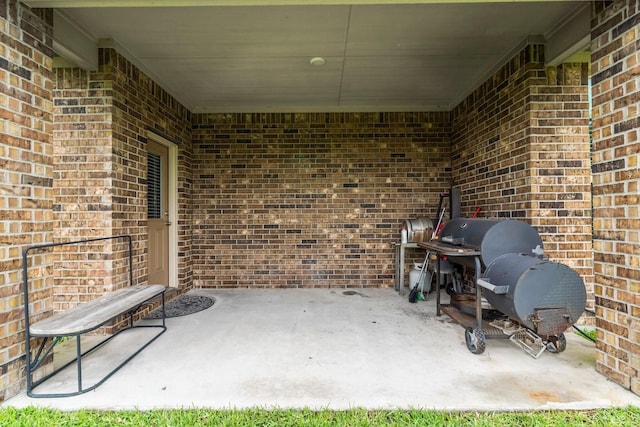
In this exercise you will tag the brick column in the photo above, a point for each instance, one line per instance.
(615, 60)
(560, 176)
(102, 118)
(25, 174)
(520, 150)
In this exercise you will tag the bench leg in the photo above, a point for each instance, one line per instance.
(32, 366)
(79, 362)
(164, 313)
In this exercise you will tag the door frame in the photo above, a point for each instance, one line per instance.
(172, 203)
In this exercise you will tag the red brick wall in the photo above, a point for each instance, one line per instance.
(82, 187)
(25, 174)
(313, 200)
(520, 149)
(141, 105)
(616, 103)
(561, 201)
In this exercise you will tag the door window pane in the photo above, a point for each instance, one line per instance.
(154, 182)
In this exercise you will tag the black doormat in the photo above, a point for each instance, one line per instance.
(182, 305)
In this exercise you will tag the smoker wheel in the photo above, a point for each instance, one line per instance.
(475, 340)
(557, 344)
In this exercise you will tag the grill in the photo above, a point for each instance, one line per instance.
(499, 264)
(492, 238)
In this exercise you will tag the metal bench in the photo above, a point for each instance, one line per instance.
(84, 318)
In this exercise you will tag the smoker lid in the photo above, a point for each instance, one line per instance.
(494, 237)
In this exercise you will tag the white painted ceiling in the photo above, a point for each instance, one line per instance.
(379, 57)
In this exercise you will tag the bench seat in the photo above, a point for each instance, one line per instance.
(92, 314)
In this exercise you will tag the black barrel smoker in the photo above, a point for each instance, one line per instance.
(499, 267)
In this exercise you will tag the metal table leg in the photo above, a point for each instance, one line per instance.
(396, 284)
(400, 261)
(401, 270)
(437, 284)
(478, 294)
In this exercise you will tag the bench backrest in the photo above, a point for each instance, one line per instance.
(44, 247)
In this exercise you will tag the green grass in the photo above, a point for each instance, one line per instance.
(586, 333)
(36, 417)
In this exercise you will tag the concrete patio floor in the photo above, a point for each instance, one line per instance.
(337, 349)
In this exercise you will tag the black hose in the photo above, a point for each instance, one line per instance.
(581, 332)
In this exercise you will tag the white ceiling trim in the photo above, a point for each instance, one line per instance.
(197, 3)
(73, 43)
(365, 108)
(570, 38)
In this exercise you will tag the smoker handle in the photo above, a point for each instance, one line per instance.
(493, 288)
